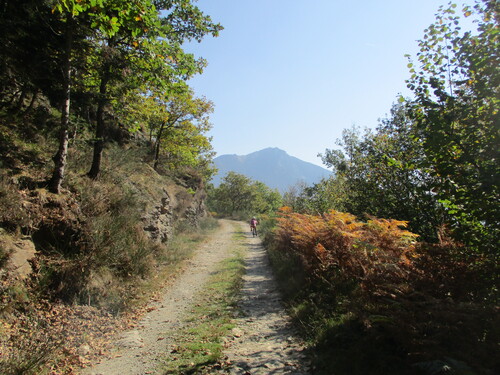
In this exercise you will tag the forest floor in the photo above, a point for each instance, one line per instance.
(262, 340)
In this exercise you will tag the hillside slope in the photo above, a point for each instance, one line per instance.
(87, 251)
(272, 166)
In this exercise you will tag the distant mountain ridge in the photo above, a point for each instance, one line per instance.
(272, 166)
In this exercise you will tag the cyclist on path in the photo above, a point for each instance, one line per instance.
(253, 226)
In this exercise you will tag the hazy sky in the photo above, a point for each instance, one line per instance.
(293, 74)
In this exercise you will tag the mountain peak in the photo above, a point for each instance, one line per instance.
(274, 150)
(272, 166)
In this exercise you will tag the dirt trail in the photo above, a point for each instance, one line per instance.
(263, 341)
(139, 351)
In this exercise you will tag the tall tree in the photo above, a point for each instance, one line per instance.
(380, 173)
(150, 45)
(177, 123)
(238, 194)
(128, 22)
(28, 34)
(456, 83)
(74, 14)
(137, 42)
(234, 194)
(185, 116)
(267, 200)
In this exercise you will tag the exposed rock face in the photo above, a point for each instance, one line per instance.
(176, 205)
(196, 210)
(21, 252)
(57, 229)
(158, 221)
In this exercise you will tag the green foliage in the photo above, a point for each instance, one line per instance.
(239, 195)
(234, 194)
(266, 200)
(177, 123)
(107, 52)
(434, 161)
(143, 43)
(380, 173)
(328, 194)
(456, 85)
(72, 65)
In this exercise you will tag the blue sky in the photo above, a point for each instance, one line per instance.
(293, 74)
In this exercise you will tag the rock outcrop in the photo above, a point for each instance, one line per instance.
(159, 220)
(177, 205)
(21, 251)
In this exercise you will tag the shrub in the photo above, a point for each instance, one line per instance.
(28, 344)
(12, 214)
(373, 300)
(208, 223)
(378, 254)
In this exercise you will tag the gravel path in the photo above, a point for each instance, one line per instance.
(262, 343)
(139, 351)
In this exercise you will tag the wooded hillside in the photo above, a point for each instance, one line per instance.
(104, 157)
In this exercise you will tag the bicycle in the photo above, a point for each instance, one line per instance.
(254, 231)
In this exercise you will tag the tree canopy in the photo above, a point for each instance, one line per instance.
(92, 54)
(456, 83)
(435, 160)
(238, 195)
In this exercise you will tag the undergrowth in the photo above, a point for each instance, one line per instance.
(37, 336)
(371, 300)
(92, 249)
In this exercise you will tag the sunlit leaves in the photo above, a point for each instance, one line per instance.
(457, 93)
(73, 7)
(381, 173)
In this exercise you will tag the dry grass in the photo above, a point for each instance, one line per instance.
(199, 344)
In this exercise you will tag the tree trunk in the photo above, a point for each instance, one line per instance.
(20, 101)
(157, 146)
(60, 157)
(100, 123)
(168, 124)
(32, 103)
